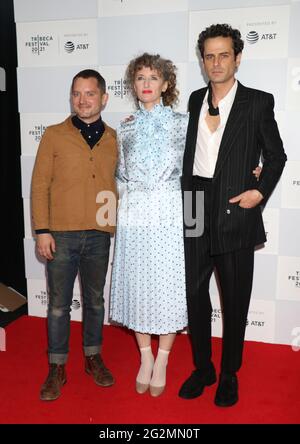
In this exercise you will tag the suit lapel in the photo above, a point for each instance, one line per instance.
(236, 118)
(189, 155)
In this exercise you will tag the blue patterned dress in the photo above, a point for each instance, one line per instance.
(148, 274)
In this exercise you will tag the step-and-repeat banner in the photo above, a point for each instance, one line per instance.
(58, 38)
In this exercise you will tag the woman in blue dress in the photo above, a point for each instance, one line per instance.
(148, 275)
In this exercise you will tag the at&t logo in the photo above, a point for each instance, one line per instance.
(71, 47)
(253, 37)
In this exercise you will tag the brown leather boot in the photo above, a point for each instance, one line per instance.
(95, 366)
(56, 378)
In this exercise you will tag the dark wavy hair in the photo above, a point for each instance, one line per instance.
(223, 30)
(164, 67)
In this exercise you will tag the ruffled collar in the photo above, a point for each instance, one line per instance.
(158, 110)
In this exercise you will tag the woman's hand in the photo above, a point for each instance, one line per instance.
(257, 172)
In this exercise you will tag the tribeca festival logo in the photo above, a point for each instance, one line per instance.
(295, 278)
(37, 132)
(119, 88)
(2, 340)
(42, 297)
(39, 43)
(217, 314)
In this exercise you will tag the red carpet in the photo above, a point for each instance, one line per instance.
(269, 383)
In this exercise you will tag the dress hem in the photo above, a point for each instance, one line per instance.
(146, 331)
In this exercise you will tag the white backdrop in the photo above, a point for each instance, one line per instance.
(58, 38)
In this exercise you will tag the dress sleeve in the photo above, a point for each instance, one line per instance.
(121, 179)
(184, 124)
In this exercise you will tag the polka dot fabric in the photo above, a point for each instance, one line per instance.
(148, 275)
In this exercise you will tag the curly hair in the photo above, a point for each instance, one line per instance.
(223, 30)
(164, 67)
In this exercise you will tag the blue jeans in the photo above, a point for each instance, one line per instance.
(86, 252)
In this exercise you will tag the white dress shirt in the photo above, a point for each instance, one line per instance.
(208, 143)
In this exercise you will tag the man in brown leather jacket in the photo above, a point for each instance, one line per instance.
(74, 170)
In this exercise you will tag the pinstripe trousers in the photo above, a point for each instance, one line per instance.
(234, 275)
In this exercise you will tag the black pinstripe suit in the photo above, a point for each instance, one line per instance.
(231, 232)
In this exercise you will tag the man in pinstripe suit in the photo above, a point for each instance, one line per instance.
(230, 127)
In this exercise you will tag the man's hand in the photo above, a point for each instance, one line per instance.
(45, 245)
(248, 199)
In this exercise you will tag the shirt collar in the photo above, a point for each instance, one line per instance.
(81, 125)
(228, 99)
